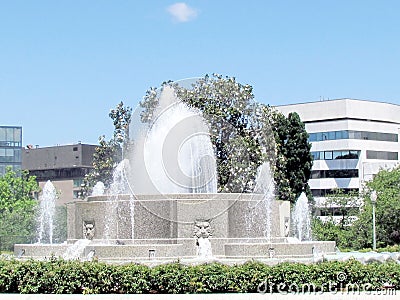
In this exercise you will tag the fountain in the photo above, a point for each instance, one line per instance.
(301, 216)
(46, 213)
(98, 189)
(174, 154)
(164, 205)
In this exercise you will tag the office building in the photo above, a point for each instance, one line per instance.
(10, 148)
(351, 141)
(65, 166)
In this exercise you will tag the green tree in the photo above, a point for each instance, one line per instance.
(17, 206)
(104, 160)
(244, 134)
(121, 116)
(239, 127)
(387, 185)
(328, 230)
(294, 159)
(344, 210)
(346, 206)
(109, 153)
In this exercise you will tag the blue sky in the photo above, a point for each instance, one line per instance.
(65, 64)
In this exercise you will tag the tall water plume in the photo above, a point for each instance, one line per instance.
(118, 187)
(174, 154)
(301, 216)
(265, 185)
(46, 213)
(98, 189)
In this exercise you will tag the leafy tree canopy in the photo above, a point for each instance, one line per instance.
(339, 228)
(239, 128)
(359, 235)
(244, 134)
(109, 153)
(17, 206)
(387, 185)
(17, 191)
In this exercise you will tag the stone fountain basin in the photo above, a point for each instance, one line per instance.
(144, 250)
(162, 228)
(173, 216)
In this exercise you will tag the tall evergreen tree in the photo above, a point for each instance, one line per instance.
(294, 159)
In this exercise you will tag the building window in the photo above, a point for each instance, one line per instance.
(78, 182)
(336, 154)
(336, 211)
(76, 194)
(352, 134)
(10, 148)
(342, 173)
(64, 173)
(315, 155)
(384, 155)
(328, 155)
(327, 192)
(75, 149)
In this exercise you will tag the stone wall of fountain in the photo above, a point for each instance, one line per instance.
(165, 228)
(173, 216)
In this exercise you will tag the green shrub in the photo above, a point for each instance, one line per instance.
(57, 276)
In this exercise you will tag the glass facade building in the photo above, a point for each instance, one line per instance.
(351, 141)
(10, 148)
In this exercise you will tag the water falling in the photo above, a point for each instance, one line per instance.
(119, 183)
(301, 216)
(118, 187)
(132, 214)
(47, 210)
(265, 185)
(98, 189)
(91, 255)
(204, 249)
(76, 250)
(175, 154)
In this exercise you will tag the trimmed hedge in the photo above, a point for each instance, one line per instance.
(57, 276)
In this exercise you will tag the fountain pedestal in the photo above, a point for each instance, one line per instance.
(166, 227)
(173, 216)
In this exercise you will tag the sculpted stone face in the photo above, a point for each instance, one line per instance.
(88, 230)
(202, 229)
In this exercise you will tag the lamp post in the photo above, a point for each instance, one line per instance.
(374, 196)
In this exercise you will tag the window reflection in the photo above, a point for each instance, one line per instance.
(384, 155)
(325, 192)
(10, 148)
(336, 154)
(352, 134)
(342, 173)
